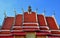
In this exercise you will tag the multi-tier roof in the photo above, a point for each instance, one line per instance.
(30, 22)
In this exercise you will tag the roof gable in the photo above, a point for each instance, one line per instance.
(8, 22)
(30, 17)
(51, 23)
(41, 20)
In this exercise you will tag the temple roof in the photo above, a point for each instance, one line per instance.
(22, 23)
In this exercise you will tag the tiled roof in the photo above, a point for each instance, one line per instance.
(8, 22)
(17, 28)
(30, 17)
(18, 20)
(51, 23)
(30, 22)
(42, 22)
(7, 25)
(33, 22)
(53, 26)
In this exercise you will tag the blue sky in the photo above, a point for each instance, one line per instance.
(49, 5)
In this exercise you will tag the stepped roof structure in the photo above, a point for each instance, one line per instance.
(30, 24)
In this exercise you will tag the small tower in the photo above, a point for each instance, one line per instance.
(29, 10)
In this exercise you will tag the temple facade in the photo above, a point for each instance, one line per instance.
(30, 25)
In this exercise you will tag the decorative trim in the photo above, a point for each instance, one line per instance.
(44, 19)
(55, 34)
(5, 34)
(55, 30)
(36, 18)
(31, 23)
(30, 26)
(17, 26)
(46, 30)
(16, 30)
(50, 30)
(5, 30)
(44, 27)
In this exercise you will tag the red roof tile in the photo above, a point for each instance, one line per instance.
(30, 20)
(41, 20)
(6, 28)
(18, 20)
(55, 32)
(8, 22)
(5, 32)
(30, 27)
(6, 36)
(30, 17)
(43, 33)
(51, 23)
(17, 28)
(44, 29)
(18, 31)
(29, 23)
(53, 36)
